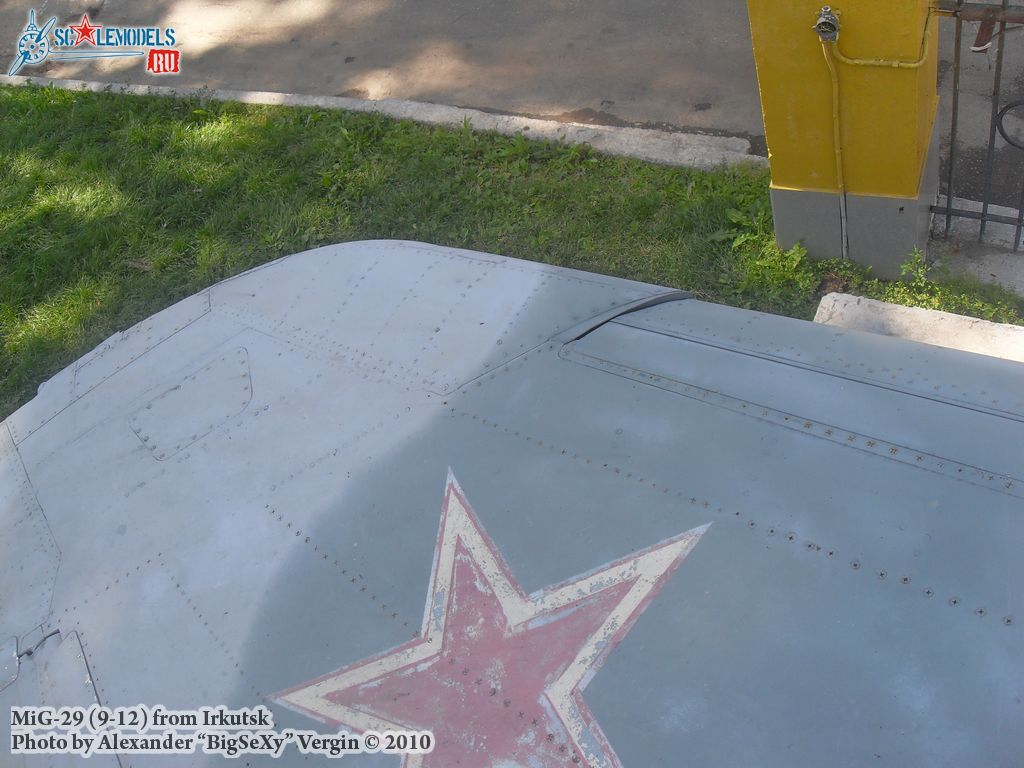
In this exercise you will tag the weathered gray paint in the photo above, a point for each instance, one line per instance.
(854, 602)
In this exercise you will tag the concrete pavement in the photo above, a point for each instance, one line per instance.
(677, 64)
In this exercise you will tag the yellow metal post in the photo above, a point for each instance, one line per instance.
(849, 121)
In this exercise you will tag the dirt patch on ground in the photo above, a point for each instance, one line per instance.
(832, 283)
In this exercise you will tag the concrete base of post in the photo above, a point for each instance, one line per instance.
(882, 231)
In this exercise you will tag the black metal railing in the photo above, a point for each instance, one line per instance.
(992, 20)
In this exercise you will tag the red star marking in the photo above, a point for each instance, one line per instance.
(86, 32)
(496, 674)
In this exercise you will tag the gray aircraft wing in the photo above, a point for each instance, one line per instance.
(551, 518)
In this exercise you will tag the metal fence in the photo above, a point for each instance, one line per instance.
(993, 21)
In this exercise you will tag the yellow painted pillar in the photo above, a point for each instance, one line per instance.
(849, 120)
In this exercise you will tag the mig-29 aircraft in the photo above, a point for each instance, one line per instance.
(543, 517)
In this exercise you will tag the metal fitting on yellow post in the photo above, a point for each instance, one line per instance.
(849, 101)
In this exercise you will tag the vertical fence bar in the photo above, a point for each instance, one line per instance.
(1020, 220)
(950, 173)
(990, 155)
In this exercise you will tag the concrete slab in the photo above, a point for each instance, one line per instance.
(943, 329)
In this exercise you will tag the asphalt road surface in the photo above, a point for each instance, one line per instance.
(683, 64)
(674, 64)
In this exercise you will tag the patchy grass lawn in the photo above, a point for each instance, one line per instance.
(113, 207)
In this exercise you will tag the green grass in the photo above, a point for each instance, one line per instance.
(113, 207)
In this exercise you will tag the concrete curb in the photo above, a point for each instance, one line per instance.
(943, 329)
(684, 149)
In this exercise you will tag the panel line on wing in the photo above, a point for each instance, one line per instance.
(883, 449)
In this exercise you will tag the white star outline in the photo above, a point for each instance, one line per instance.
(648, 569)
